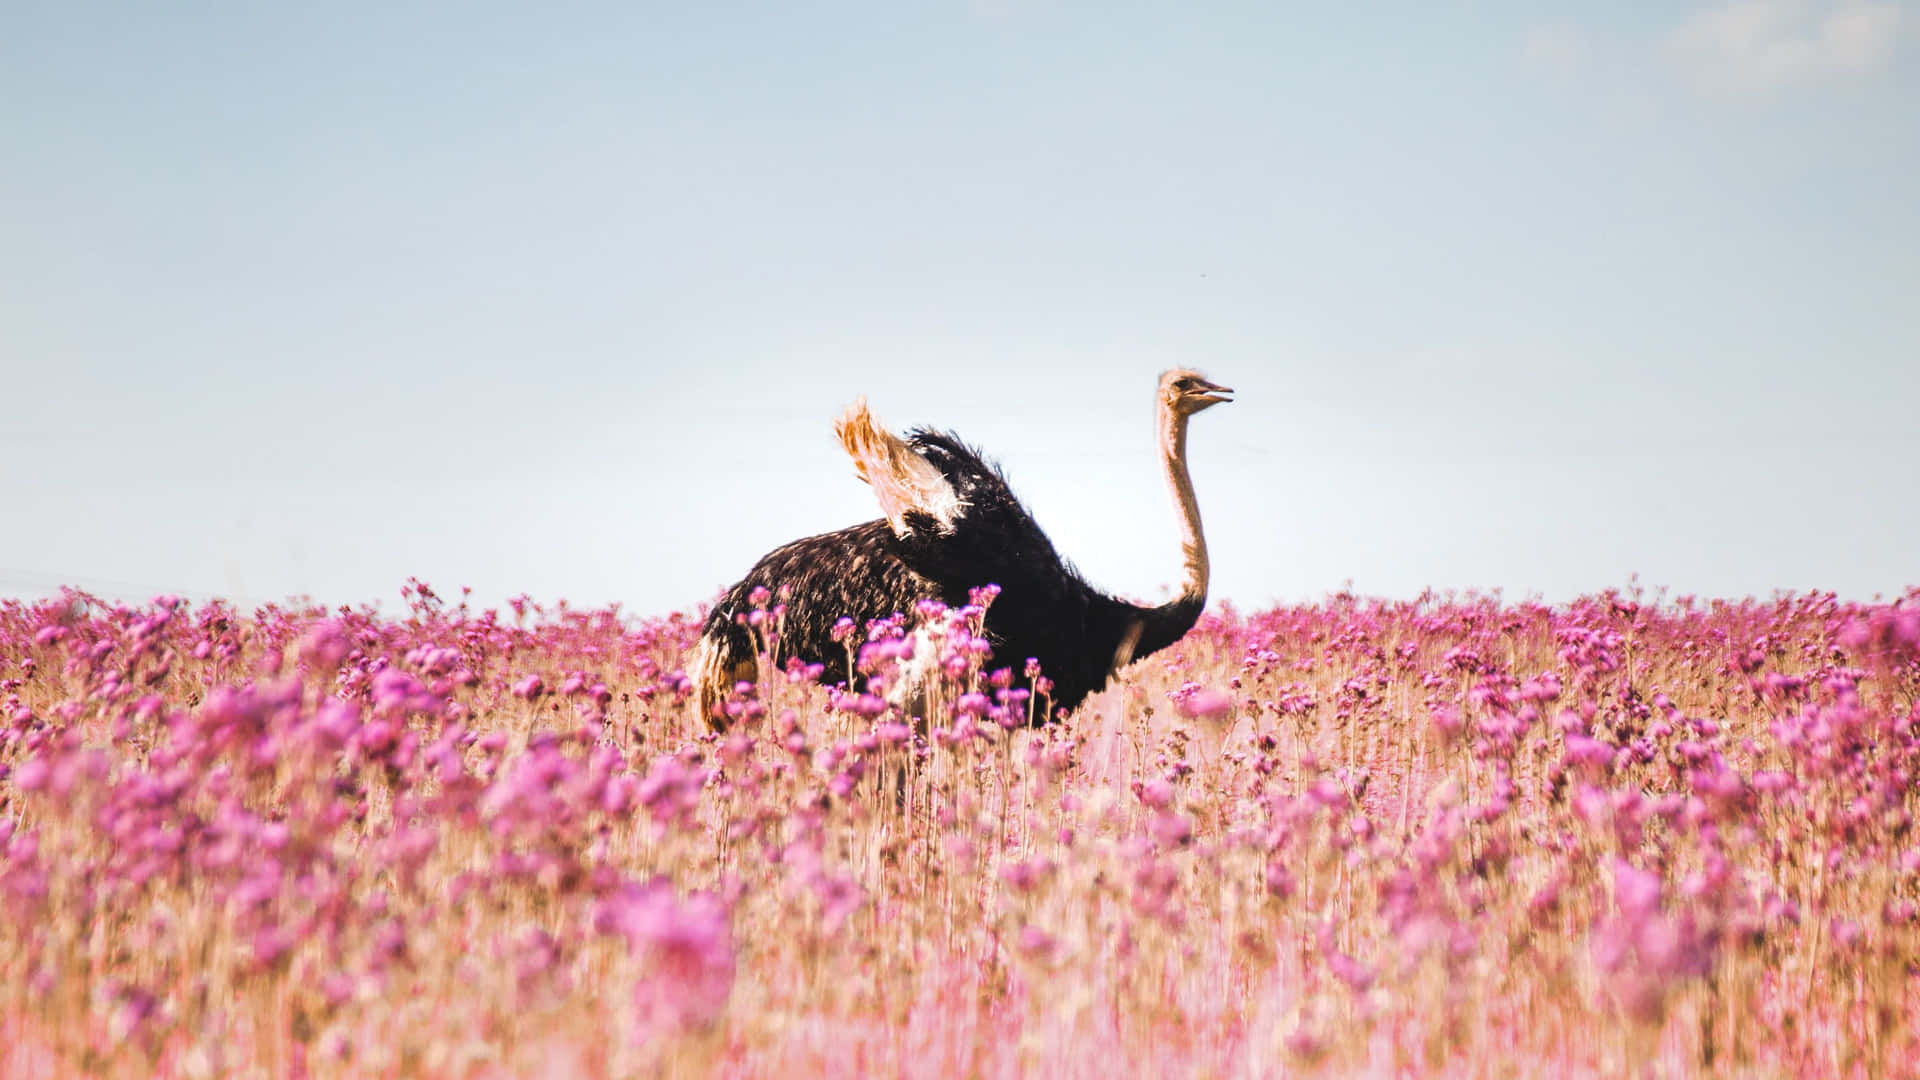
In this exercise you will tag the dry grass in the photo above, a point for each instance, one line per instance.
(1452, 837)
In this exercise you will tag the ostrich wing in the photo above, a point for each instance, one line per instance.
(1045, 610)
(904, 482)
(993, 538)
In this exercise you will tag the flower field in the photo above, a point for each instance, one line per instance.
(1452, 836)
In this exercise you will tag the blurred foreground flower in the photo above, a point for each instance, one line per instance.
(686, 947)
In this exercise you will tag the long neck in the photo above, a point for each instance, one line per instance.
(1155, 628)
(1193, 542)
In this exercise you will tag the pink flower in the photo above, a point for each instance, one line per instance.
(1170, 829)
(396, 692)
(1327, 792)
(1358, 976)
(1636, 891)
(687, 949)
(270, 945)
(325, 644)
(1156, 793)
(31, 774)
(1023, 875)
(1206, 704)
(671, 789)
(1036, 943)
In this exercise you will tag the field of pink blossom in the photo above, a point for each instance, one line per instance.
(1453, 836)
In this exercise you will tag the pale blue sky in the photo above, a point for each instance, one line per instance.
(561, 299)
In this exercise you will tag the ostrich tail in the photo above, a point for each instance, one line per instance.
(715, 671)
(902, 480)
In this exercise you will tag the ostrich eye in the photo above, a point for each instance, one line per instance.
(1183, 384)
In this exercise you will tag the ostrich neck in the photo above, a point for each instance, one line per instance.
(1193, 542)
(1149, 630)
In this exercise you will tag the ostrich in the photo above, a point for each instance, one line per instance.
(951, 524)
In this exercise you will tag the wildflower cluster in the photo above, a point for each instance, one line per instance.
(1353, 836)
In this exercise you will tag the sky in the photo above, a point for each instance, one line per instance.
(561, 299)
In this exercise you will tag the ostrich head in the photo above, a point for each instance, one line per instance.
(1184, 392)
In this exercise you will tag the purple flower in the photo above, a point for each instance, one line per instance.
(325, 644)
(1636, 891)
(1156, 793)
(1170, 829)
(1035, 943)
(1024, 874)
(671, 789)
(1327, 792)
(31, 774)
(1358, 976)
(1204, 704)
(686, 948)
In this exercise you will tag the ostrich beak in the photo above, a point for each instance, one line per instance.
(1215, 393)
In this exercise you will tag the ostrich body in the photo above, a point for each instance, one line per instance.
(952, 524)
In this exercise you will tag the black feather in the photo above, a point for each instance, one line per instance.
(1045, 611)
